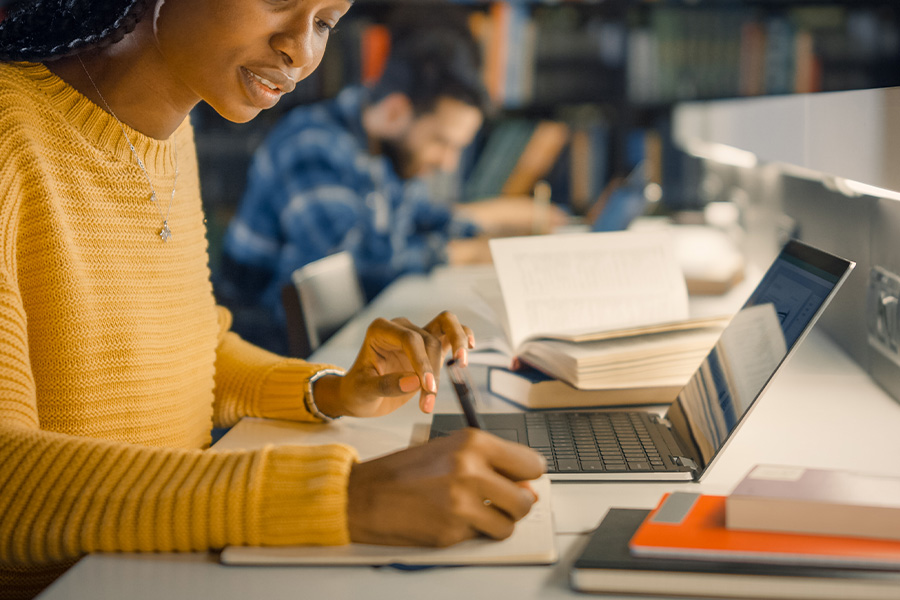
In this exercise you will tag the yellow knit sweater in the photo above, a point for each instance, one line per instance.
(115, 362)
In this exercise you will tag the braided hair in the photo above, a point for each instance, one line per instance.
(41, 30)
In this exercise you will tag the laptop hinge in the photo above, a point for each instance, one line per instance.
(662, 421)
(684, 461)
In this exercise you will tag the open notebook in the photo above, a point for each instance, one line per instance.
(532, 543)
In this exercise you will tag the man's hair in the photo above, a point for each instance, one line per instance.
(40, 30)
(430, 63)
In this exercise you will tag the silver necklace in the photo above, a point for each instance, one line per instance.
(164, 233)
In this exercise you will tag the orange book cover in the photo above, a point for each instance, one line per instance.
(753, 59)
(689, 525)
(375, 47)
(497, 52)
(537, 159)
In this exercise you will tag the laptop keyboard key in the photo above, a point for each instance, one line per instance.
(592, 465)
(538, 437)
(567, 465)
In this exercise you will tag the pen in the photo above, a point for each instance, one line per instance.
(465, 393)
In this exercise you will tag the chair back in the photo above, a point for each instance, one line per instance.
(325, 294)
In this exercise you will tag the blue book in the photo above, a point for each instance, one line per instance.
(530, 388)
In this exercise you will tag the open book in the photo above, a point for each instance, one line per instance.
(598, 310)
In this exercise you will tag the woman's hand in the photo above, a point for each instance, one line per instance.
(451, 489)
(398, 360)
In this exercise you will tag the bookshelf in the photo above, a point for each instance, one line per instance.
(610, 70)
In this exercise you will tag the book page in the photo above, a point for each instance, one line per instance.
(581, 283)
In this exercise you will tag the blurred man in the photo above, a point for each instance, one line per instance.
(347, 175)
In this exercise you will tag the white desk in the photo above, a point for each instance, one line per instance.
(822, 410)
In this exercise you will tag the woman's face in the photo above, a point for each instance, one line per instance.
(241, 56)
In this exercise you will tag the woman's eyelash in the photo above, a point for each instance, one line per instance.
(326, 27)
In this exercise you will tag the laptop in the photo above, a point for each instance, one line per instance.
(686, 440)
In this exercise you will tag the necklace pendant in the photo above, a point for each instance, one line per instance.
(165, 233)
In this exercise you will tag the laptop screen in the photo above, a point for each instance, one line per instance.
(782, 309)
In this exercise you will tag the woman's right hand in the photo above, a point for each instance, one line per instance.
(451, 489)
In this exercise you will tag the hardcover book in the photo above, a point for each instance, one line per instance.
(817, 501)
(692, 526)
(529, 388)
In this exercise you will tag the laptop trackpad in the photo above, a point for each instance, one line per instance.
(507, 434)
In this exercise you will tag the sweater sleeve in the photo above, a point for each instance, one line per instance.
(62, 496)
(253, 382)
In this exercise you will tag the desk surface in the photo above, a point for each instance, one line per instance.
(822, 410)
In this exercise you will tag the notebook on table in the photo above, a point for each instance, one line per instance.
(684, 442)
(532, 543)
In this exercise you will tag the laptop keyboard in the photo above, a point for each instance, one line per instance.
(593, 441)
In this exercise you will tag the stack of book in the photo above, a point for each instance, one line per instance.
(784, 532)
(526, 387)
(605, 313)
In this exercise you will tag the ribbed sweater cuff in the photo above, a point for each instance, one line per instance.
(285, 393)
(305, 495)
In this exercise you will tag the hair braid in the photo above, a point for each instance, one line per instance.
(47, 29)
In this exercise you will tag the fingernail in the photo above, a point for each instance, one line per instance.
(471, 341)
(462, 356)
(430, 384)
(409, 384)
(529, 491)
(429, 403)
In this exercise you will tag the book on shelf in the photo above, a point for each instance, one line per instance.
(816, 501)
(589, 155)
(537, 158)
(598, 310)
(779, 61)
(605, 565)
(526, 387)
(692, 526)
(375, 47)
(532, 543)
(752, 59)
(505, 144)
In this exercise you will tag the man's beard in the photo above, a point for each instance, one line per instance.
(400, 157)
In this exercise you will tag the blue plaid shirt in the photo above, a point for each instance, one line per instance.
(313, 189)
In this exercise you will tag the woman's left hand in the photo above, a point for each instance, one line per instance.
(397, 361)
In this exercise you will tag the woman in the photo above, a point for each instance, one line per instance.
(114, 361)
